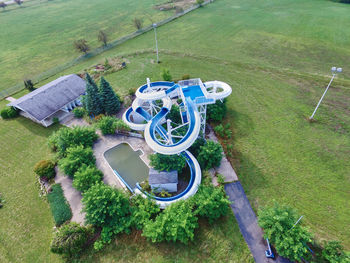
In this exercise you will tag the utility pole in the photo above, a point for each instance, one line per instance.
(334, 72)
(155, 36)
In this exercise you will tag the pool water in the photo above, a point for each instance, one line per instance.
(128, 164)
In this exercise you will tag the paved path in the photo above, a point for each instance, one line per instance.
(73, 197)
(248, 224)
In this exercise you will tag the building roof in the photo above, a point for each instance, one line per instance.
(50, 98)
(156, 177)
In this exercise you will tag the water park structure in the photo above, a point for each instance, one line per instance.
(149, 112)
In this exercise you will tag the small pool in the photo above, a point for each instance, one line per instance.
(127, 164)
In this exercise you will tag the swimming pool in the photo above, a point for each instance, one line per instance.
(127, 165)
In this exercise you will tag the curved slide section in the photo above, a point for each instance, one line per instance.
(184, 143)
(191, 189)
(154, 90)
(226, 90)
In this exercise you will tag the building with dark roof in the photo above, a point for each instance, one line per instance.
(163, 180)
(54, 100)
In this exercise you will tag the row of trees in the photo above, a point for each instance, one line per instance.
(102, 100)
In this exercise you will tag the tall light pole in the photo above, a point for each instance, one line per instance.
(155, 36)
(334, 72)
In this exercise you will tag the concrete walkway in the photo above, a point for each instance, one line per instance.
(72, 195)
(248, 223)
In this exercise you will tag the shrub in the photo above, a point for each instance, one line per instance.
(176, 223)
(186, 76)
(210, 155)
(195, 147)
(211, 202)
(122, 126)
(131, 91)
(174, 114)
(59, 206)
(85, 177)
(107, 125)
(70, 239)
(108, 208)
(66, 137)
(76, 157)
(8, 113)
(333, 252)
(217, 111)
(200, 2)
(219, 130)
(143, 210)
(102, 37)
(79, 112)
(45, 169)
(55, 120)
(278, 224)
(166, 74)
(168, 163)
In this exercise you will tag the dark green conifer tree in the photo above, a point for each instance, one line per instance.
(92, 100)
(110, 100)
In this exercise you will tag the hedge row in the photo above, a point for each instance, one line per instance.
(59, 206)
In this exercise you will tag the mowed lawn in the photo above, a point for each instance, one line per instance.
(277, 57)
(40, 35)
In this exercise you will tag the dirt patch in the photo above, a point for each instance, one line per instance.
(178, 5)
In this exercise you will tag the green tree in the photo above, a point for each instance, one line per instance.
(102, 37)
(168, 163)
(217, 111)
(166, 74)
(333, 252)
(210, 155)
(110, 100)
(211, 202)
(195, 147)
(107, 125)
(65, 137)
(76, 157)
(3, 5)
(108, 208)
(28, 84)
(81, 45)
(174, 114)
(176, 223)
(278, 224)
(92, 100)
(143, 210)
(85, 177)
(70, 239)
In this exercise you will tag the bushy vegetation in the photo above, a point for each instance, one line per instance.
(66, 137)
(143, 210)
(210, 155)
(75, 158)
(70, 239)
(8, 113)
(162, 162)
(174, 114)
(211, 202)
(195, 147)
(82, 45)
(45, 169)
(79, 112)
(166, 74)
(59, 206)
(107, 125)
(176, 223)
(279, 227)
(108, 208)
(85, 177)
(333, 252)
(217, 112)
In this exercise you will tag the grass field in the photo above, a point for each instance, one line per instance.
(40, 35)
(277, 57)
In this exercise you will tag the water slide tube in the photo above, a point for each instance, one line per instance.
(218, 95)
